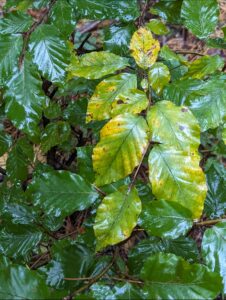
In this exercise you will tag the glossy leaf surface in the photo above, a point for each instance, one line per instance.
(166, 219)
(11, 46)
(122, 143)
(168, 10)
(50, 52)
(15, 22)
(124, 10)
(60, 193)
(206, 99)
(144, 48)
(203, 66)
(168, 276)
(95, 65)
(214, 250)
(174, 126)
(99, 106)
(116, 217)
(176, 176)
(159, 76)
(201, 18)
(16, 241)
(133, 101)
(157, 27)
(25, 98)
(18, 282)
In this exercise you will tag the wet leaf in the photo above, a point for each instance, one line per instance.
(144, 48)
(159, 76)
(121, 210)
(96, 65)
(122, 143)
(99, 106)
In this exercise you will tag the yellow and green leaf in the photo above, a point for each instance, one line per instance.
(132, 101)
(122, 143)
(116, 217)
(95, 65)
(159, 76)
(144, 48)
(100, 104)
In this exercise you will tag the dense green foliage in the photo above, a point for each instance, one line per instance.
(112, 151)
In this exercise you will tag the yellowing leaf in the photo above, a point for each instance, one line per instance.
(132, 101)
(174, 165)
(159, 76)
(95, 65)
(116, 217)
(176, 176)
(122, 143)
(144, 48)
(99, 106)
(174, 126)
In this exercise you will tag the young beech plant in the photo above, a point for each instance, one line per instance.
(112, 151)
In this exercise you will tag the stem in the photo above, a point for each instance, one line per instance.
(189, 52)
(138, 169)
(32, 29)
(209, 222)
(99, 190)
(95, 278)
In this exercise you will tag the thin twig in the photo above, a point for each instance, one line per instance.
(138, 169)
(32, 29)
(95, 278)
(189, 52)
(99, 190)
(210, 222)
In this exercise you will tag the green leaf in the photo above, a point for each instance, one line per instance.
(157, 27)
(168, 10)
(201, 18)
(63, 17)
(214, 250)
(52, 111)
(75, 112)
(68, 261)
(166, 219)
(167, 276)
(219, 43)
(174, 126)
(99, 106)
(117, 38)
(123, 10)
(122, 143)
(50, 52)
(176, 176)
(19, 213)
(159, 76)
(132, 101)
(18, 160)
(224, 133)
(11, 46)
(203, 66)
(84, 161)
(95, 65)
(5, 142)
(16, 241)
(144, 48)
(15, 22)
(206, 99)
(61, 193)
(183, 246)
(121, 210)
(215, 204)
(25, 99)
(54, 134)
(120, 291)
(18, 282)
